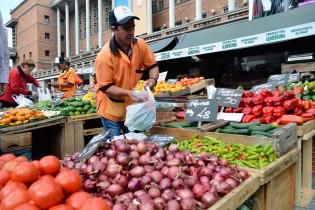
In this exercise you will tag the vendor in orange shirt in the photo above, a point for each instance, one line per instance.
(118, 67)
(66, 79)
(78, 81)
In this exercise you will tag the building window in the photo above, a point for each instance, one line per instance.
(47, 52)
(62, 38)
(178, 23)
(180, 1)
(24, 57)
(108, 7)
(95, 19)
(47, 36)
(225, 9)
(46, 18)
(157, 29)
(205, 14)
(30, 55)
(157, 6)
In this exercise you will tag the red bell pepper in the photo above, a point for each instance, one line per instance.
(268, 110)
(249, 101)
(288, 95)
(298, 90)
(307, 104)
(278, 121)
(247, 110)
(312, 110)
(265, 93)
(248, 118)
(278, 111)
(290, 118)
(276, 93)
(270, 119)
(241, 103)
(258, 100)
(278, 101)
(298, 111)
(257, 110)
(290, 104)
(237, 110)
(181, 115)
(228, 110)
(269, 101)
(262, 120)
(247, 94)
(307, 116)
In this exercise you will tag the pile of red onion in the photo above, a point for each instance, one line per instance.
(132, 175)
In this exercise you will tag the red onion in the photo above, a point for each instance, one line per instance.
(224, 173)
(69, 164)
(139, 193)
(170, 156)
(118, 206)
(204, 179)
(198, 190)
(218, 177)
(190, 180)
(144, 159)
(124, 199)
(214, 182)
(212, 167)
(213, 159)
(244, 174)
(112, 170)
(121, 180)
(115, 189)
(193, 171)
(133, 163)
(93, 159)
(147, 206)
(207, 186)
(111, 153)
(164, 170)
(156, 176)
(144, 198)
(112, 160)
(160, 154)
(180, 156)
(168, 194)
(223, 188)
(104, 160)
(173, 172)
(122, 158)
(201, 163)
(159, 203)
(184, 193)
(223, 162)
(133, 147)
(172, 205)
(89, 185)
(141, 148)
(165, 183)
(173, 147)
(208, 199)
(137, 171)
(98, 165)
(102, 177)
(177, 183)
(132, 206)
(103, 185)
(159, 165)
(188, 204)
(134, 154)
(108, 202)
(89, 169)
(148, 168)
(231, 182)
(205, 171)
(134, 184)
(154, 192)
(173, 162)
(145, 180)
(204, 157)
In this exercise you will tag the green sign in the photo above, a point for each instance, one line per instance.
(165, 56)
(193, 50)
(208, 48)
(276, 35)
(251, 40)
(229, 44)
(303, 30)
(177, 54)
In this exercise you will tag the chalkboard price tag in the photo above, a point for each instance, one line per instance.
(269, 86)
(280, 79)
(162, 140)
(202, 110)
(294, 77)
(92, 146)
(228, 97)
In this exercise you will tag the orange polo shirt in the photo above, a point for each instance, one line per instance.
(113, 67)
(67, 76)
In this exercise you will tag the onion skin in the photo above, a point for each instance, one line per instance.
(112, 170)
(154, 192)
(134, 184)
(122, 159)
(145, 180)
(177, 183)
(208, 199)
(231, 182)
(137, 171)
(190, 180)
(159, 203)
(188, 204)
(185, 193)
(141, 148)
(115, 189)
(172, 205)
(156, 176)
(111, 153)
(132, 206)
(168, 194)
(121, 180)
(223, 188)
(173, 172)
(147, 206)
(165, 183)
(198, 190)
(118, 206)
(173, 162)
(148, 168)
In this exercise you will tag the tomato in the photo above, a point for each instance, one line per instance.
(4, 177)
(25, 172)
(61, 207)
(49, 165)
(10, 165)
(7, 157)
(36, 163)
(26, 206)
(47, 177)
(15, 198)
(77, 199)
(21, 159)
(11, 186)
(2, 162)
(45, 193)
(70, 181)
(95, 204)
(64, 169)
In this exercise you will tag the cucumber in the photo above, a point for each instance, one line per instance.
(265, 134)
(235, 131)
(243, 125)
(263, 128)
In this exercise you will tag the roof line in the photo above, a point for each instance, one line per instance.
(20, 4)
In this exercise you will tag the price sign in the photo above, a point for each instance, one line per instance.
(202, 110)
(294, 77)
(91, 147)
(280, 79)
(162, 76)
(228, 97)
(233, 117)
(162, 140)
(172, 81)
(269, 86)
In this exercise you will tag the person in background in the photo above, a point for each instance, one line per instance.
(18, 79)
(118, 67)
(66, 79)
(78, 81)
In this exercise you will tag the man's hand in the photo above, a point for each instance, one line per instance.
(53, 84)
(150, 82)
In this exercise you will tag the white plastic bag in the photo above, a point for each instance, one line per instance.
(141, 116)
(22, 101)
(42, 96)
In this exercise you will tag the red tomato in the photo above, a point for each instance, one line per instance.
(95, 204)
(4, 177)
(25, 172)
(7, 157)
(70, 181)
(26, 206)
(49, 165)
(15, 198)
(11, 186)
(10, 165)
(61, 207)
(36, 163)
(77, 199)
(21, 159)
(45, 193)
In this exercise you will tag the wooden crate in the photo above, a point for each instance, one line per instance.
(13, 142)
(186, 91)
(201, 85)
(238, 196)
(82, 117)
(306, 128)
(162, 115)
(299, 67)
(278, 193)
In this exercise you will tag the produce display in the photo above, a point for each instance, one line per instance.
(91, 96)
(161, 87)
(42, 184)
(189, 81)
(251, 129)
(43, 105)
(141, 175)
(255, 156)
(305, 91)
(19, 116)
(274, 107)
(75, 106)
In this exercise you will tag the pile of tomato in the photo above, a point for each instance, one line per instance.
(42, 184)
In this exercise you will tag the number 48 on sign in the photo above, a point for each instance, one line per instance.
(202, 110)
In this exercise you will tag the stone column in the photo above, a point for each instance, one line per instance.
(113, 4)
(198, 9)
(149, 16)
(231, 5)
(171, 14)
(76, 27)
(87, 25)
(67, 29)
(58, 33)
(100, 24)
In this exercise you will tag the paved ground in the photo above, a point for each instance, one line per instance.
(312, 205)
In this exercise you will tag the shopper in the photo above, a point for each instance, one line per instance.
(18, 79)
(118, 67)
(66, 79)
(78, 81)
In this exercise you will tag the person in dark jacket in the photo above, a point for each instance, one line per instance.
(18, 79)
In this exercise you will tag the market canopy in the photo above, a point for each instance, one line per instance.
(280, 27)
(163, 44)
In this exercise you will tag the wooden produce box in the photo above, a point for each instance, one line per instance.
(201, 85)
(82, 117)
(13, 142)
(162, 115)
(306, 128)
(282, 141)
(299, 67)
(186, 91)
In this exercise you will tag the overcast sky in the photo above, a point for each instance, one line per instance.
(7, 5)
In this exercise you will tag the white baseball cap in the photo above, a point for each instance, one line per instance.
(121, 15)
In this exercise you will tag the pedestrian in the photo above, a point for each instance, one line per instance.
(118, 67)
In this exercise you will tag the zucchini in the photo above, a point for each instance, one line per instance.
(243, 125)
(235, 131)
(265, 134)
(263, 128)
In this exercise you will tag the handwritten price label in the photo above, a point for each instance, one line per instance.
(202, 110)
